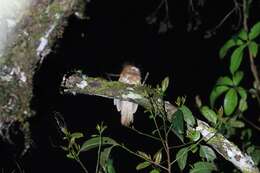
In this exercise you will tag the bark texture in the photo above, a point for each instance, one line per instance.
(32, 39)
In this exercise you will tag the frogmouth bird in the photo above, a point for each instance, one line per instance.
(129, 75)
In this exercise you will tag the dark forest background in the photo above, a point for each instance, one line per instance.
(117, 33)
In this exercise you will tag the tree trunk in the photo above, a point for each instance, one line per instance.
(29, 37)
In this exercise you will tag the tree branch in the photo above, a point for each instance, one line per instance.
(81, 84)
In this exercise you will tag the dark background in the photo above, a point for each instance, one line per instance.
(117, 33)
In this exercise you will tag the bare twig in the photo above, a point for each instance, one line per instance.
(236, 8)
(251, 123)
(144, 134)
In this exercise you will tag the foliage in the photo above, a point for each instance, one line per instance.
(228, 103)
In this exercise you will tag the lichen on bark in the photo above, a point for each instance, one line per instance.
(41, 24)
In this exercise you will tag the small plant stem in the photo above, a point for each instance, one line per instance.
(82, 165)
(98, 154)
(155, 122)
(166, 9)
(251, 123)
(144, 134)
(159, 133)
(179, 146)
(188, 150)
(168, 158)
(76, 157)
(167, 149)
(148, 160)
(251, 58)
(164, 141)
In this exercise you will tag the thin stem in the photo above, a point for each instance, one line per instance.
(187, 151)
(156, 125)
(144, 134)
(251, 123)
(159, 133)
(182, 145)
(82, 165)
(145, 78)
(159, 6)
(168, 158)
(76, 157)
(234, 9)
(166, 140)
(166, 9)
(165, 143)
(163, 113)
(98, 154)
(251, 58)
(245, 15)
(148, 160)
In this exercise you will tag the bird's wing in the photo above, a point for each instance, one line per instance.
(117, 103)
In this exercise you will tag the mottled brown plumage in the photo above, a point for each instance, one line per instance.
(130, 75)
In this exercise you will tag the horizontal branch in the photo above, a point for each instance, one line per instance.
(226, 148)
(81, 84)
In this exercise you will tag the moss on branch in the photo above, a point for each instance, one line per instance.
(81, 84)
(142, 95)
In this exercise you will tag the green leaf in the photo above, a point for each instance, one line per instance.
(255, 31)
(194, 148)
(105, 156)
(236, 59)
(193, 134)
(109, 167)
(207, 153)
(177, 124)
(243, 35)
(224, 49)
(209, 114)
(242, 92)
(158, 156)
(203, 167)
(236, 123)
(256, 156)
(165, 84)
(253, 48)
(230, 101)
(187, 115)
(237, 77)
(142, 165)
(216, 92)
(224, 81)
(181, 157)
(239, 42)
(95, 142)
(246, 135)
(250, 149)
(143, 154)
(70, 156)
(76, 135)
(154, 171)
(242, 105)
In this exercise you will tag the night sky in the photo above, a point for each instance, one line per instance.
(117, 33)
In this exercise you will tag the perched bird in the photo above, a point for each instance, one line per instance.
(130, 75)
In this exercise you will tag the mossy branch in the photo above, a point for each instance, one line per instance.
(81, 84)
